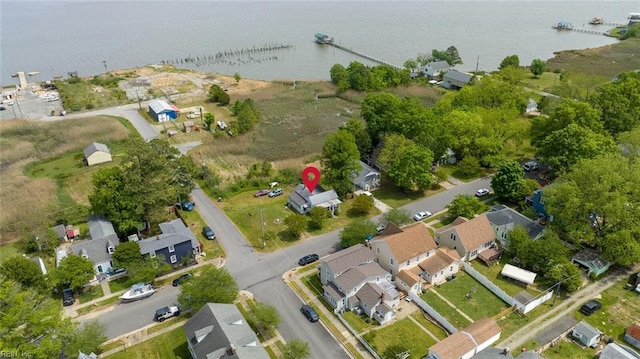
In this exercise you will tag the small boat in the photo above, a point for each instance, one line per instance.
(598, 20)
(33, 73)
(138, 291)
(323, 39)
(563, 25)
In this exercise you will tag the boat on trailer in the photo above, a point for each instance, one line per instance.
(323, 39)
(138, 291)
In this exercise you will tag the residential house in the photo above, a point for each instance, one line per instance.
(220, 331)
(632, 335)
(504, 219)
(456, 80)
(100, 247)
(353, 281)
(96, 153)
(443, 265)
(448, 158)
(188, 126)
(174, 243)
(61, 232)
(615, 351)
(592, 261)
(302, 201)
(532, 107)
(436, 68)
(469, 237)
(161, 111)
(586, 335)
(535, 200)
(465, 343)
(367, 178)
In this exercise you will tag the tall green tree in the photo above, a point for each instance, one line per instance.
(75, 270)
(359, 76)
(340, 161)
(565, 113)
(508, 181)
(23, 271)
(213, 285)
(397, 216)
(296, 224)
(126, 255)
(356, 232)
(564, 148)
(296, 349)
(265, 316)
(360, 134)
(597, 203)
(147, 270)
(464, 205)
(509, 61)
(317, 217)
(619, 103)
(379, 110)
(406, 163)
(452, 51)
(362, 205)
(411, 65)
(537, 67)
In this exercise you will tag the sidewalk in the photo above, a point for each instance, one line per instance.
(308, 297)
(72, 311)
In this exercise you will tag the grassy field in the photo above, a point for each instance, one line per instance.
(172, 344)
(24, 143)
(444, 309)
(620, 308)
(493, 274)
(403, 332)
(434, 329)
(92, 293)
(358, 322)
(482, 303)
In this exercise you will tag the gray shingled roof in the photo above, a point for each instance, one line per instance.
(61, 231)
(439, 65)
(100, 227)
(95, 249)
(365, 171)
(216, 327)
(326, 196)
(587, 330)
(95, 147)
(158, 106)
(506, 215)
(173, 232)
(348, 258)
(457, 76)
(370, 295)
(492, 353)
(355, 276)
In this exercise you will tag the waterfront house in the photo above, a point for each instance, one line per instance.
(466, 342)
(436, 68)
(456, 80)
(96, 153)
(302, 201)
(469, 237)
(220, 331)
(367, 178)
(174, 243)
(161, 111)
(586, 335)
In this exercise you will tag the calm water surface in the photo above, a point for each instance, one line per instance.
(56, 37)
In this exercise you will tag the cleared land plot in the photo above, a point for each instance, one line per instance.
(620, 308)
(403, 332)
(482, 303)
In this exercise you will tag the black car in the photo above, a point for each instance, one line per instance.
(67, 297)
(207, 232)
(310, 313)
(176, 282)
(309, 258)
(590, 307)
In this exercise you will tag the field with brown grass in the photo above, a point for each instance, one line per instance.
(31, 203)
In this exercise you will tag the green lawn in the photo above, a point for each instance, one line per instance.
(9, 250)
(195, 223)
(569, 349)
(444, 309)
(97, 306)
(172, 344)
(434, 329)
(620, 308)
(394, 197)
(358, 322)
(403, 332)
(482, 303)
(493, 274)
(91, 294)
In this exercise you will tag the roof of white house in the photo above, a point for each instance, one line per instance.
(518, 274)
(173, 232)
(365, 171)
(100, 227)
(348, 258)
(457, 76)
(586, 330)
(615, 351)
(439, 65)
(95, 147)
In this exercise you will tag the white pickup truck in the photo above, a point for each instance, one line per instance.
(166, 313)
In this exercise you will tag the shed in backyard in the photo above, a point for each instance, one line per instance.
(161, 111)
(519, 274)
(96, 153)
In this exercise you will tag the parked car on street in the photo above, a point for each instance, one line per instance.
(67, 297)
(276, 192)
(421, 215)
(482, 192)
(186, 205)
(207, 232)
(309, 258)
(310, 313)
(166, 313)
(176, 282)
(262, 192)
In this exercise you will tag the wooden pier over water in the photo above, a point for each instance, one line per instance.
(363, 55)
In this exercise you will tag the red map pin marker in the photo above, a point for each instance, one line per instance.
(310, 177)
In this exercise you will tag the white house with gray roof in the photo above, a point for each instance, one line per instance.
(436, 68)
(97, 153)
(504, 219)
(455, 79)
(174, 243)
(220, 331)
(100, 247)
(367, 178)
(353, 281)
(302, 201)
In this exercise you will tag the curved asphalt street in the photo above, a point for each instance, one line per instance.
(258, 273)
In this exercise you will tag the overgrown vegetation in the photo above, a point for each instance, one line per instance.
(79, 94)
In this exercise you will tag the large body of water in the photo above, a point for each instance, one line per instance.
(57, 37)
